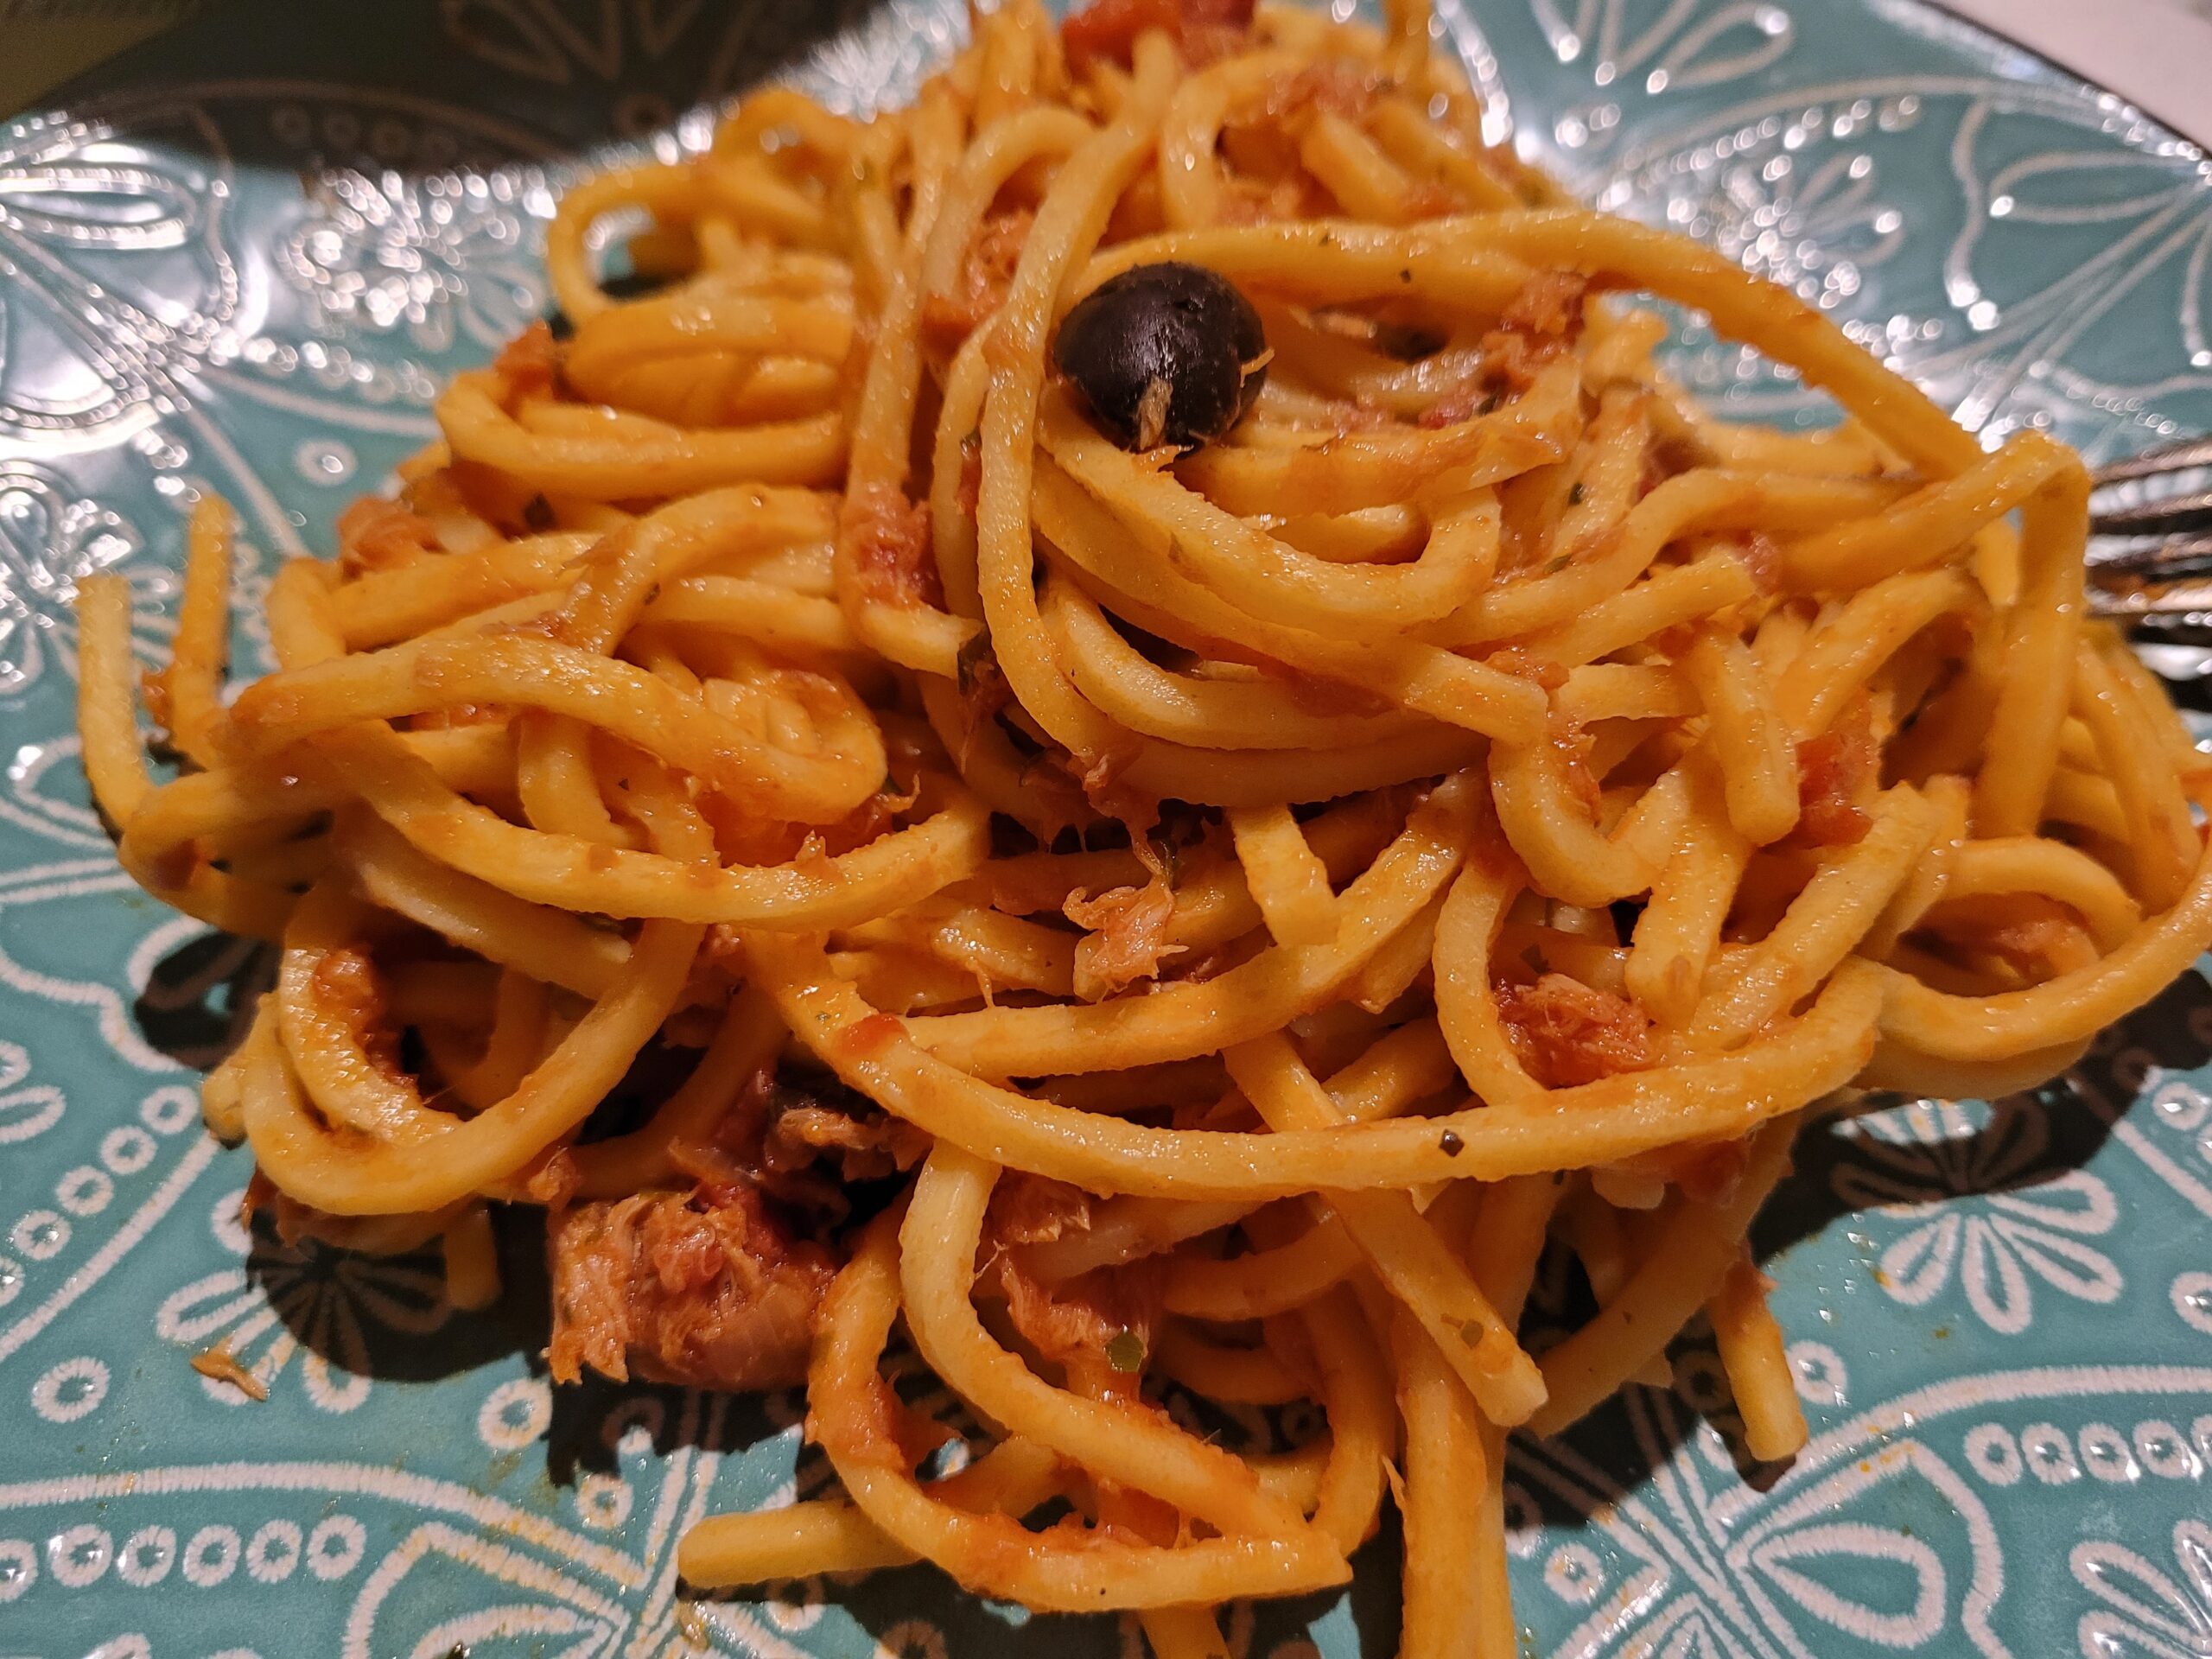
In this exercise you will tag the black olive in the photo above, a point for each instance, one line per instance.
(1166, 354)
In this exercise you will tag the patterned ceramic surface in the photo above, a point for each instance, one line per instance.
(243, 261)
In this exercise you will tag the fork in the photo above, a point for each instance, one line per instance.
(2157, 562)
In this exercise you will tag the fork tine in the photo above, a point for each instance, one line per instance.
(2168, 561)
(2169, 578)
(2135, 603)
(2168, 458)
(2164, 579)
(2159, 518)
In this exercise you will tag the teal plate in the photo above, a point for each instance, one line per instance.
(244, 260)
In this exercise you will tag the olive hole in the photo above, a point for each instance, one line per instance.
(1408, 342)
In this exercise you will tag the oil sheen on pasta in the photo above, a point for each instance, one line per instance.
(783, 802)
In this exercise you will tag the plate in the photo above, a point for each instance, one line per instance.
(240, 260)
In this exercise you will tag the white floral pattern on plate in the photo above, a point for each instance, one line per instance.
(1976, 1194)
(49, 541)
(223, 269)
(302, 1301)
(2147, 1610)
(437, 259)
(114, 269)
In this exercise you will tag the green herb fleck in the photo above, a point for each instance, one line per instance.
(1181, 825)
(1180, 822)
(1472, 1333)
(1125, 1352)
(1556, 563)
(1170, 862)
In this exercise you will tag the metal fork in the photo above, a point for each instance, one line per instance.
(2152, 556)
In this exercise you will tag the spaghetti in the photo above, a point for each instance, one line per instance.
(786, 791)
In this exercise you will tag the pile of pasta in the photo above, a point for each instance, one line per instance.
(1256, 899)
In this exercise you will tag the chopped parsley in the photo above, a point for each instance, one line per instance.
(1125, 1352)
(1170, 862)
